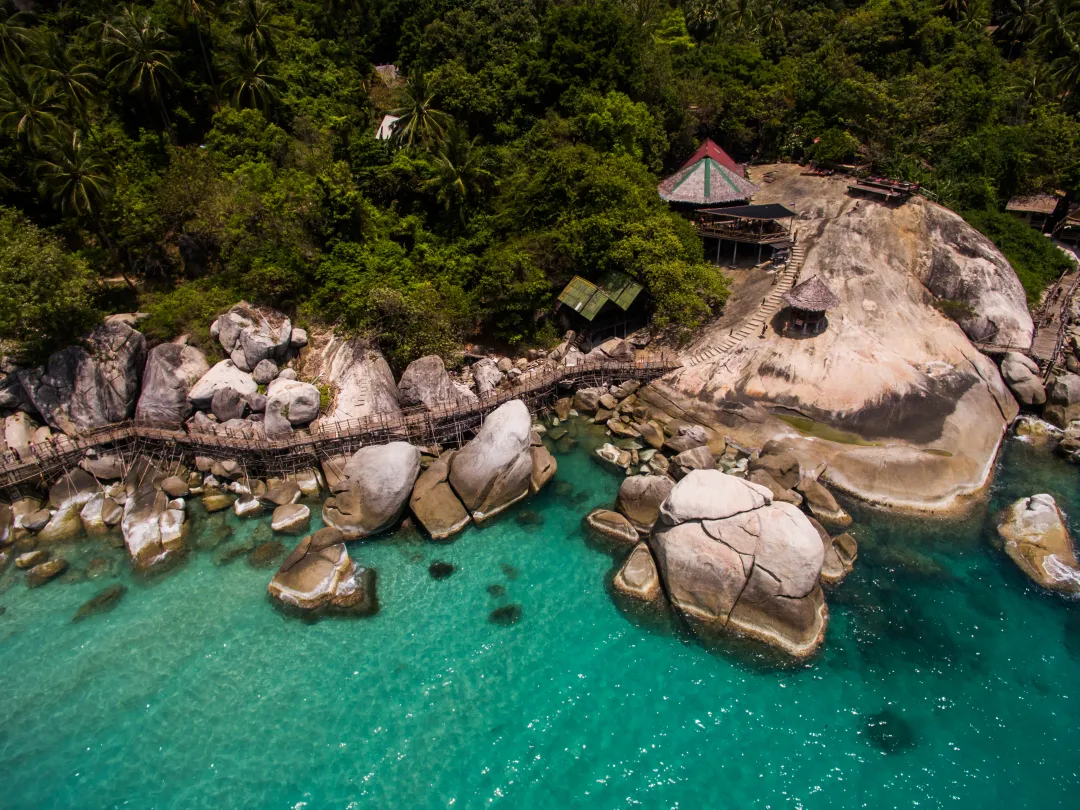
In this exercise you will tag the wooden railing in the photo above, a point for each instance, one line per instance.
(420, 425)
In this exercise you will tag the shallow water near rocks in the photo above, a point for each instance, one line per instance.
(946, 680)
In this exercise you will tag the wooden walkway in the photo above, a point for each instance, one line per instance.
(449, 426)
(1052, 319)
(785, 280)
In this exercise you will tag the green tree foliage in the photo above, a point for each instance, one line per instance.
(209, 150)
(46, 292)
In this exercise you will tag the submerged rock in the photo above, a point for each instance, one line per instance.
(441, 570)
(1037, 540)
(42, 573)
(730, 556)
(506, 615)
(102, 602)
(889, 732)
(265, 554)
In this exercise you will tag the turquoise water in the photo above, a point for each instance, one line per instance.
(194, 692)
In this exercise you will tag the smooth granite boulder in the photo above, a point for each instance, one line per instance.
(82, 388)
(1022, 375)
(291, 518)
(638, 577)
(1063, 400)
(425, 382)
(359, 377)
(487, 375)
(40, 574)
(494, 469)
(613, 350)
(1037, 540)
(544, 467)
(640, 497)
(170, 371)
(434, 502)
(731, 557)
(612, 526)
(287, 492)
(378, 482)
(289, 404)
(320, 574)
(265, 372)
(228, 404)
(67, 497)
(822, 504)
(223, 375)
(687, 437)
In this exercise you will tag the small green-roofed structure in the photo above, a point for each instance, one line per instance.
(587, 299)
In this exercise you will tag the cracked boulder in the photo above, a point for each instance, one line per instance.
(319, 574)
(732, 557)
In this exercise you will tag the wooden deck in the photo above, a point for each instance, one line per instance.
(449, 426)
(1052, 319)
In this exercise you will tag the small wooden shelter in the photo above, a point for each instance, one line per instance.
(709, 178)
(809, 301)
(1034, 209)
(610, 308)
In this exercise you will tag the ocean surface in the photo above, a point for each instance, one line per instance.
(946, 679)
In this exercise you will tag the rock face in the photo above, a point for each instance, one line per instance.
(250, 335)
(378, 482)
(320, 574)
(434, 503)
(80, 389)
(1037, 540)
(1021, 374)
(1063, 400)
(638, 577)
(170, 372)
(640, 497)
(911, 382)
(494, 469)
(360, 378)
(223, 375)
(425, 382)
(730, 556)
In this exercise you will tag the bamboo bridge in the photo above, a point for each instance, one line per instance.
(452, 425)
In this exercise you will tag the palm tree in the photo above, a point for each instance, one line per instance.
(770, 16)
(28, 106)
(418, 120)
(194, 11)
(738, 14)
(461, 170)
(975, 16)
(250, 82)
(1021, 20)
(14, 33)
(142, 63)
(254, 24)
(74, 82)
(75, 178)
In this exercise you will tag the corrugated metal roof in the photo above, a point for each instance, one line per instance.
(621, 289)
(587, 299)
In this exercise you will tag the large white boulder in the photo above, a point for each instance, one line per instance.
(1022, 375)
(425, 382)
(289, 404)
(730, 556)
(223, 375)
(1036, 538)
(375, 490)
(493, 470)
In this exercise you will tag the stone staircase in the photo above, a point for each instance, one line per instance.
(765, 312)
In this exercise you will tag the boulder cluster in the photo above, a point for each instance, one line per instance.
(729, 538)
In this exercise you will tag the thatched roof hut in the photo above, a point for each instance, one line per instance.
(811, 296)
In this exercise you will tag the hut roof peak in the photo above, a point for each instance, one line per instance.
(811, 295)
(710, 149)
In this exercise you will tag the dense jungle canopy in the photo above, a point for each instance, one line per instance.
(180, 155)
